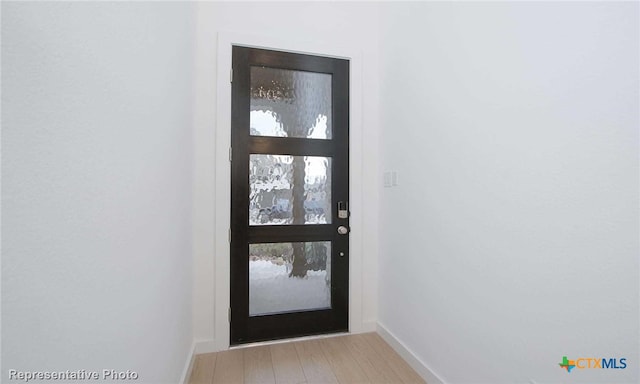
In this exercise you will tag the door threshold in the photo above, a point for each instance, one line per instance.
(290, 340)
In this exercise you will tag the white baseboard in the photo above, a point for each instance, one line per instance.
(188, 366)
(197, 348)
(419, 366)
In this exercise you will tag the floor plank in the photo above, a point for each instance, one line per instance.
(258, 368)
(372, 363)
(400, 367)
(350, 359)
(315, 366)
(202, 372)
(344, 365)
(229, 367)
(286, 364)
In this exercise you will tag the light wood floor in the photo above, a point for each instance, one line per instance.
(363, 358)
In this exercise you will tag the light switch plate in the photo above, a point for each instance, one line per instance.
(390, 179)
(387, 179)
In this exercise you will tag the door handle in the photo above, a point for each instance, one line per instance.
(342, 230)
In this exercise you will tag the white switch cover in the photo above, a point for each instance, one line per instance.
(387, 179)
(390, 179)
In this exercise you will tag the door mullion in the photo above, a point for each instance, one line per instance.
(291, 233)
(291, 146)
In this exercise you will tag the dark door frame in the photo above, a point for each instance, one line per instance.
(250, 329)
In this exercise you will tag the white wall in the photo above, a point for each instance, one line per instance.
(337, 24)
(97, 185)
(512, 238)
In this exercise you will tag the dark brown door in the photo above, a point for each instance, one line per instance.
(290, 193)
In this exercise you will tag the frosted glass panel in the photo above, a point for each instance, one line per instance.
(288, 277)
(287, 103)
(287, 190)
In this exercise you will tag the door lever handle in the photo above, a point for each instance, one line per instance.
(342, 230)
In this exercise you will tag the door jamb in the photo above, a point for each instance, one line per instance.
(223, 170)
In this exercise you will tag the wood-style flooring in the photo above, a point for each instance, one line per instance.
(363, 358)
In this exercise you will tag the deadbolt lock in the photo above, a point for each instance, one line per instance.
(343, 210)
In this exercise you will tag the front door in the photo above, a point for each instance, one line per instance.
(290, 193)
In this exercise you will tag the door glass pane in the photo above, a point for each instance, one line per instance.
(286, 103)
(286, 277)
(289, 190)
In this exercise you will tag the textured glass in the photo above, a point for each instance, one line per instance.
(289, 190)
(286, 103)
(289, 277)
